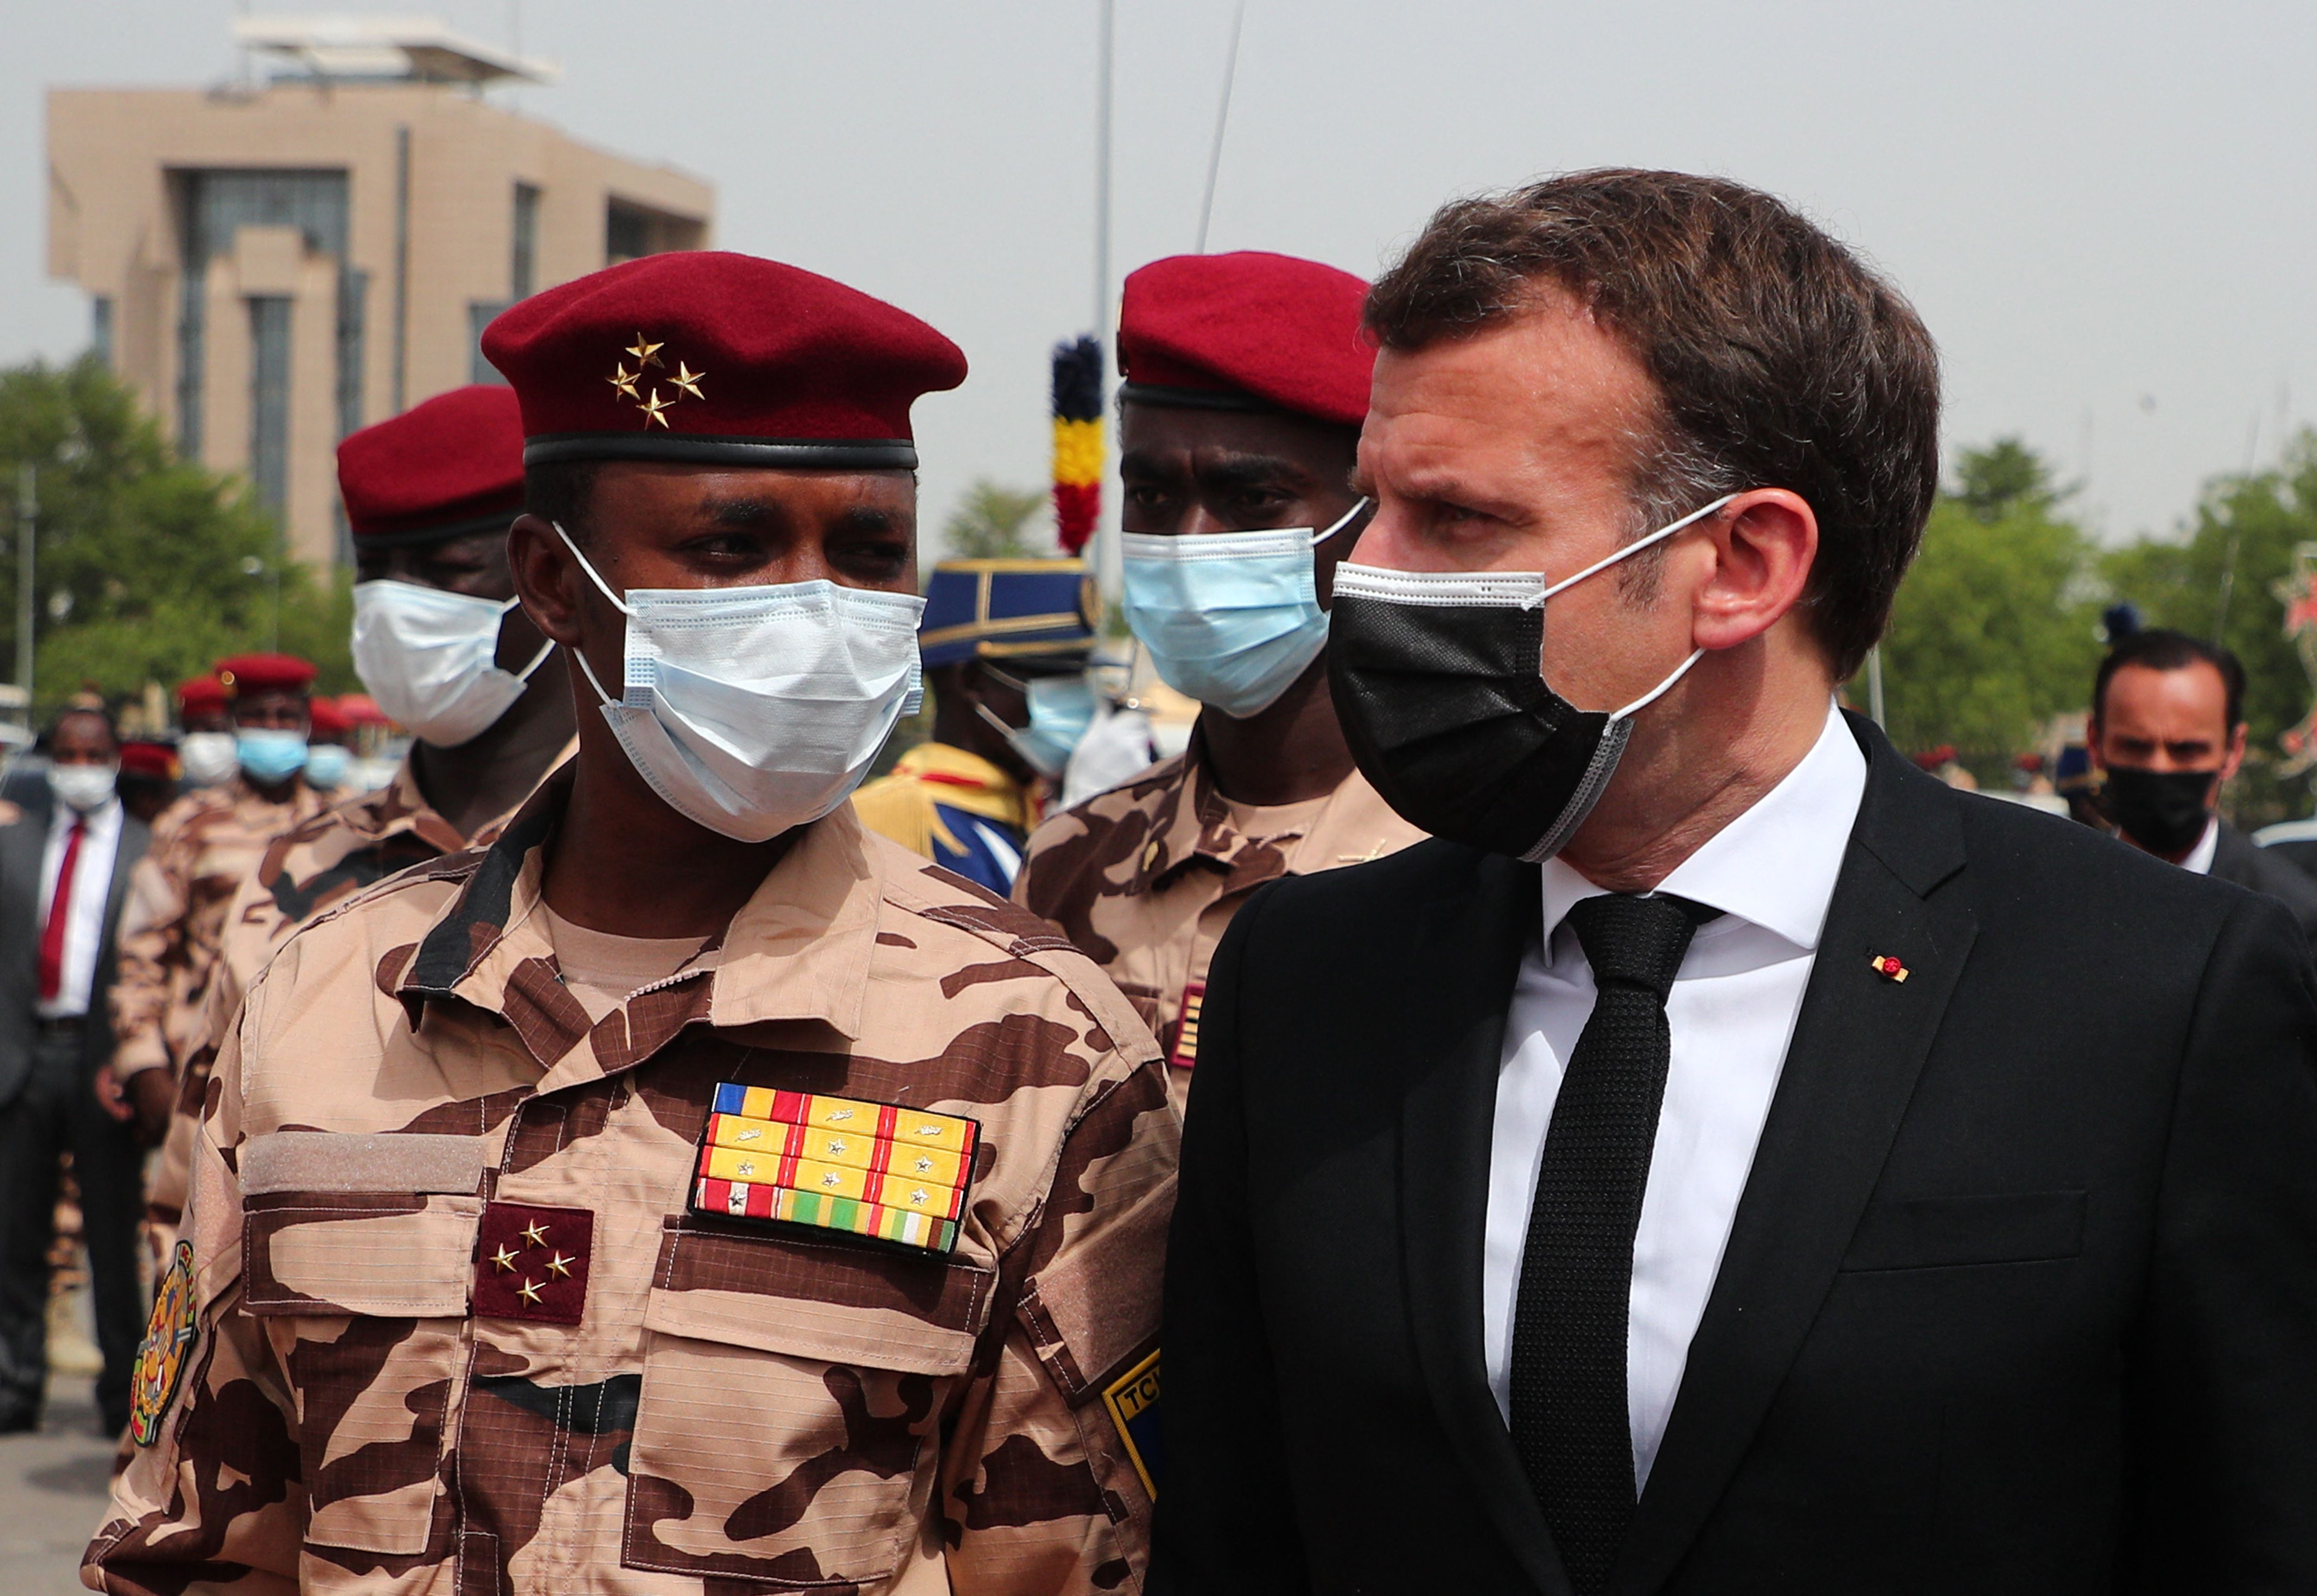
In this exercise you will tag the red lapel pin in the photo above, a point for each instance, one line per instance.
(1888, 967)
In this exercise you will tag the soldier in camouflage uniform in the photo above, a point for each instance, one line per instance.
(549, 1232)
(429, 495)
(204, 846)
(1245, 382)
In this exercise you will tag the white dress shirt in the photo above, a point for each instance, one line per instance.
(1732, 1012)
(92, 883)
(2200, 856)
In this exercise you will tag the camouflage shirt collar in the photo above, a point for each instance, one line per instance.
(798, 949)
(1191, 820)
(400, 807)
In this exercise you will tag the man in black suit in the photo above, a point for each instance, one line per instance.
(1725, 1159)
(64, 860)
(2166, 728)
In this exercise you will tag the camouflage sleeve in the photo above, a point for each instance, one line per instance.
(212, 1499)
(152, 920)
(251, 925)
(1046, 1477)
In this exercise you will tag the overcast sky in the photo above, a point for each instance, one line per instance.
(2105, 212)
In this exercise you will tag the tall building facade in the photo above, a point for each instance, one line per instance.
(271, 266)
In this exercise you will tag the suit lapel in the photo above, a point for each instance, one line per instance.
(1460, 968)
(21, 848)
(1858, 1046)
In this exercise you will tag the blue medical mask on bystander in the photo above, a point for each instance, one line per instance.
(1231, 618)
(270, 757)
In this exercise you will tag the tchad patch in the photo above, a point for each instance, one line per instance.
(1132, 1399)
(878, 1171)
(168, 1344)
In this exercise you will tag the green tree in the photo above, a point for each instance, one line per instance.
(991, 523)
(2216, 581)
(1993, 630)
(149, 567)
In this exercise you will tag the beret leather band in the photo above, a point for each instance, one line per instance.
(1162, 395)
(498, 520)
(774, 454)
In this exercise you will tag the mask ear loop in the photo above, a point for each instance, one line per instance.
(1342, 522)
(1627, 552)
(616, 602)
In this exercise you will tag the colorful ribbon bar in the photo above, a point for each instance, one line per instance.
(868, 1169)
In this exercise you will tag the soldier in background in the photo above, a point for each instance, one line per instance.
(1247, 377)
(429, 496)
(691, 1191)
(1004, 644)
(147, 779)
(204, 847)
(205, 745)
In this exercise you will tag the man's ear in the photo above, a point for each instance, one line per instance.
(547, 578)
(2234, 759)
(1765, 542)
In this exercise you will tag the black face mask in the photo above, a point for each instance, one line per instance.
(2163, 811)
(1435, 680)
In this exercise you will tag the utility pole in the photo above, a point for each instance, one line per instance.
(28, 515)
(1874, 685)
(1109, 573)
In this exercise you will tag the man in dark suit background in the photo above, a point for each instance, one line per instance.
(64, 871)
(2166, 728)
(1805, 1179)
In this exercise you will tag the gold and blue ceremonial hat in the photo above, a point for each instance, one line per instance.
(1009, 608)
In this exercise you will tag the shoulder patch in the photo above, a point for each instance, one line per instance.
(167, 1347)
(1133, 1400)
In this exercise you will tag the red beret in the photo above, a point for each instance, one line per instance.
(265, 672)
(1285, 333)
(149, 759)
(722, 359)
(361, 710)
(200, 693)
(442, 469)
(324, 719)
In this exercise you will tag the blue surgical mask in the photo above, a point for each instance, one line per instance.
(1061, 708)
(1231, 618)
(269, 758)
(327, 765)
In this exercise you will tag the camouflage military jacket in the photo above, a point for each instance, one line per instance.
(1145, 877)
(204, 845)
(306, 869)
(451, 1316)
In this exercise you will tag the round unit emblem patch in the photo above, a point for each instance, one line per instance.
(168, 1343)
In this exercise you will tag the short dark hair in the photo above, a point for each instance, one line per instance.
(2157, 649)
(561, 492)
(72, 711)
(1780, 360)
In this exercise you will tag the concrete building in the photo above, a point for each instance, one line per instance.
(272, 264)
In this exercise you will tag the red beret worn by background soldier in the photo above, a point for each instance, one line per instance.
(201, 695)
(263, 673)
(325, 720)
(1250, 330)
(706, 357)
(449, 467)
(149, 759)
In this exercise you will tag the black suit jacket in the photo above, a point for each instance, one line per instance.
(2021, 1295)
(24, 836)
(2237, 858)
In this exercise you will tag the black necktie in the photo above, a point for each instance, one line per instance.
(1570, 1422)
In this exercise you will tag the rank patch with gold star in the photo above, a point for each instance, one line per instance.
(632, 382)
(882, 1172)
(531, 1263)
